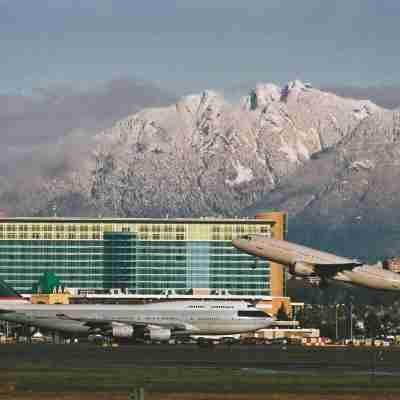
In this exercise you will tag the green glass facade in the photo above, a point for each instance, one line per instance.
(140, 255)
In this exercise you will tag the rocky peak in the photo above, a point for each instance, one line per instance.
(196, 104)
(261, 96)
(293, 88)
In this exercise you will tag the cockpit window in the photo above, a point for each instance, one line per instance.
(252, 314)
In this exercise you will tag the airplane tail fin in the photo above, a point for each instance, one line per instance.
(8, 293)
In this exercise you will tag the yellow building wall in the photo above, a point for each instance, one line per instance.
(272, 306)
(54, 298)
(277, 275)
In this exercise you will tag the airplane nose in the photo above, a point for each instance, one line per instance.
(235, 242)
(238, 243)
(269, 321)
(396, 283)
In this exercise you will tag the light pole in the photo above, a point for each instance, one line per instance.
(351, 322)
(337, 320)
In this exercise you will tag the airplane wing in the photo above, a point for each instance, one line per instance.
(333, 269)
(98, 321)
(342, 266)
(102, 324)
(324, 270)
(5, 310)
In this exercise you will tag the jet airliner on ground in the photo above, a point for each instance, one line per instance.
(306, 262)
(156, 321)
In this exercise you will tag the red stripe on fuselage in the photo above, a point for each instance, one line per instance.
(11, 298)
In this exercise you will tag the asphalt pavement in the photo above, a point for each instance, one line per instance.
(319, 360)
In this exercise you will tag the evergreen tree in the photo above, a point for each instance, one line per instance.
(372, 324)
(281, 315)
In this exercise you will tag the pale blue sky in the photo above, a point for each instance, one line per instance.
(187, 45)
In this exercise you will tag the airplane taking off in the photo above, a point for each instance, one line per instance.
(156, 321)
(306, 262)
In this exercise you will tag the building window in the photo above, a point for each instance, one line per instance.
(155, 228)
(240, 229)
(168, 228)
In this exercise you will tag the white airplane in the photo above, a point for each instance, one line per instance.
(155, 321)
(306, 262)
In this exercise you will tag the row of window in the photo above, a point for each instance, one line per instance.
(153, 228)
(144, 232)
(47, 243)
(139, 245)
(98, 236)
(49, 227)
(145, 263)
(50, 236)
(35, 255)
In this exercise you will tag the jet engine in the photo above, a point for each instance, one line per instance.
(160, 334)
(302, 269)
(122, 331)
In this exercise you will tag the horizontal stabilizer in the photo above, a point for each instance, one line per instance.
(7, 292)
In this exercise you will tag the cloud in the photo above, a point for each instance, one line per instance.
(384, 96)
(45, 135)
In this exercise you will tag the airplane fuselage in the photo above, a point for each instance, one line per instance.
(193, 317)
(288, 254)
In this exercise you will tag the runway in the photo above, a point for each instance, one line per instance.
(299, 358)
(222, 369)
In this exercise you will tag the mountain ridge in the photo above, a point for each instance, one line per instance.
(283, 147)
(204, 155)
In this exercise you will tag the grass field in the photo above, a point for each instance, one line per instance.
(206, 396)
(173, 372)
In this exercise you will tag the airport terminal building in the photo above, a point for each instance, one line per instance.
(141, 256)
